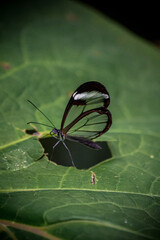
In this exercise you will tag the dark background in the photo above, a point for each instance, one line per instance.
(141, 17)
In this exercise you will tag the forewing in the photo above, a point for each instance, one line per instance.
(90, 95)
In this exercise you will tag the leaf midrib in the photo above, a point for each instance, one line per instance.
(42, 230)
(76, 189)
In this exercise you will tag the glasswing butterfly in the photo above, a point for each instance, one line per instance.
(85, 118)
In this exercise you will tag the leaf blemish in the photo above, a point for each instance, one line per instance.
(71, 17)
(93, 178)
(5, 65)
(33, 132)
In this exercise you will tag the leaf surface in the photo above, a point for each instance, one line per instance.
(47, 50)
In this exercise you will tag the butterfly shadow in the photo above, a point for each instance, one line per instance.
(83, 157)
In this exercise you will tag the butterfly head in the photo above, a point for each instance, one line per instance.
(55, 131)
(57, 134)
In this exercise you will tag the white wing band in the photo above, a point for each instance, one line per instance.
(87, 95)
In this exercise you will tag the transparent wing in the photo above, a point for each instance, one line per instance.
(90, 124)
(89, 96)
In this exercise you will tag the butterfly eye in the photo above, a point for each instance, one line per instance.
(55, 131)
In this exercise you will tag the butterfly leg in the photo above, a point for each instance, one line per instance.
(55, 144)
(54, 148)
(69, 153)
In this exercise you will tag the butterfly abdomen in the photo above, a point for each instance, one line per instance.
(84, 141)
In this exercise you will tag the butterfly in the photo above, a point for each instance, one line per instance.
(85, 118)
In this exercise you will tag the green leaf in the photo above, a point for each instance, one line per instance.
(48, 48)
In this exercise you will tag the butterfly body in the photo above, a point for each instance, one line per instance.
(85, 118)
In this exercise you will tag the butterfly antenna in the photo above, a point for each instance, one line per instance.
(40, 112)
(40, 124)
